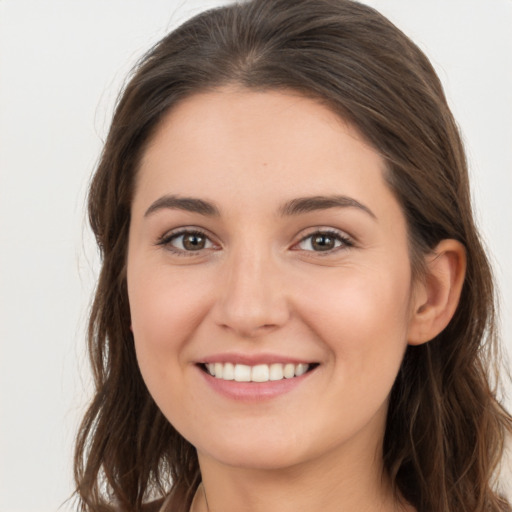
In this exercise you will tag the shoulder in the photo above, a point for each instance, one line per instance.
(505, 473)
(153, 506)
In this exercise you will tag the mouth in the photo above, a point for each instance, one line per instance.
(259, 373)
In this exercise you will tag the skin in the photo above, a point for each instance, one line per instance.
(259, 286)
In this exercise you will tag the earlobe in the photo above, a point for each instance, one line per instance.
(437, 296)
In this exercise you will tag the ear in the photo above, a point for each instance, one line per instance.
(436, 297)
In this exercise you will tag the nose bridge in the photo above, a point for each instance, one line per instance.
(252, 298)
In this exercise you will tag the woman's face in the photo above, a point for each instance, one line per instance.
(265, 243)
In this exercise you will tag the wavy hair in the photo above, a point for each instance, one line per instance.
(445, 428)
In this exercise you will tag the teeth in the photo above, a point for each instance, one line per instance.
(242, 373)
(301, 369)
(289, 371)
(276, 372)
(228, 372)
(258, 373)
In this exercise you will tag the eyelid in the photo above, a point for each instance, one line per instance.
(346, 240)
(166, 239)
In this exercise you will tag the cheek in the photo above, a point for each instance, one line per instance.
(363, 317)
(165, 309)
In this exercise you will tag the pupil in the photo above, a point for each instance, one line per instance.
(323, 242)
(193, 242)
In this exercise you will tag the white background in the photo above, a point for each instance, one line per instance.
(61, 66)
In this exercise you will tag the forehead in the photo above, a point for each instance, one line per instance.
(243, 147)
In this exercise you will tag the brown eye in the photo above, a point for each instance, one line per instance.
(324, 241)
(193, 241)
(187, 241)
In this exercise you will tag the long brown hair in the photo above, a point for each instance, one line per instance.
(445, 428)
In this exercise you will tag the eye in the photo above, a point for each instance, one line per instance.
(186, 241)
(323, 241)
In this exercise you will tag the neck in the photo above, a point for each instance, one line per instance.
(320, 485)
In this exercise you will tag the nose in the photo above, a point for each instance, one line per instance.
(251, 296)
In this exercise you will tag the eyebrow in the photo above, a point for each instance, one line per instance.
(296, 206)
(315, 203)
(189, 204)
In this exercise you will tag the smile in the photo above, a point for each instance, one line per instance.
(258, 373)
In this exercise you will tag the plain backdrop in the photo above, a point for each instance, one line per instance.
(62, 64)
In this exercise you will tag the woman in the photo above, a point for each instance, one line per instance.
(294, 310)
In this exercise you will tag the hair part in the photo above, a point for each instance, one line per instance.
(445, 428)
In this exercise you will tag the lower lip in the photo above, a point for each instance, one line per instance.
(253, 391)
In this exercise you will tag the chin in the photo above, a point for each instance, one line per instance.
(259, 452)
(256, 459)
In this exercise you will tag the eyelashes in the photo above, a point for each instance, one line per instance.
(186, 241)
(324, 241)
(194, 242)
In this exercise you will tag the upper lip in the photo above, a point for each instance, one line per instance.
(253, 359)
